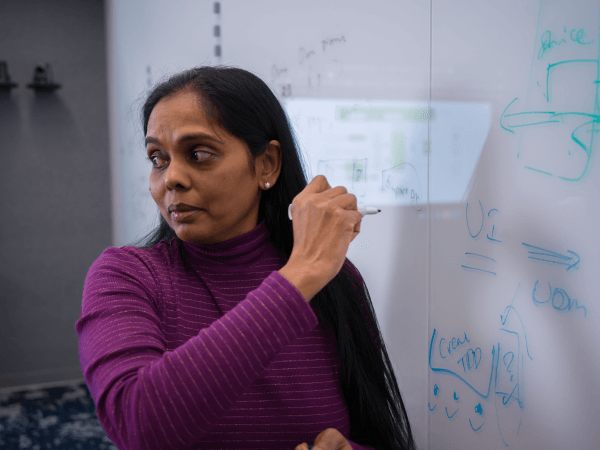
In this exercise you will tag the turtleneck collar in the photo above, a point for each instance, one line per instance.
(243, 250)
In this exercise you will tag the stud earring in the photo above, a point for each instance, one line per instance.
(267, 185)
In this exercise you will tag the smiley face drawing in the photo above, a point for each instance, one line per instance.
(476, 421)
(450, 413)
(436, 391)
(479, 411)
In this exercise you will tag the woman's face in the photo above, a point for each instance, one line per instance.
(204, 171)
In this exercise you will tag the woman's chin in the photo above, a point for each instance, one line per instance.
(188, 234)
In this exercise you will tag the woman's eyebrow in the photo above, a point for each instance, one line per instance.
(185, 138)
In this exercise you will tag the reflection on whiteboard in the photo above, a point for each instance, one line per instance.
(379, 150)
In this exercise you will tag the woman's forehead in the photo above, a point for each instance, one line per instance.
(182, 111)
(181, 106)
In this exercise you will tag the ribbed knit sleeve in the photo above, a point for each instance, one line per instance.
(150, 398)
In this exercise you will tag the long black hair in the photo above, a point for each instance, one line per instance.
(244, 105)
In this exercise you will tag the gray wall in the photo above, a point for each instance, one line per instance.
(55, 197)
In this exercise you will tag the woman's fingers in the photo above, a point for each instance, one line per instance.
(320, 185)
(345, 201)
(317, 184)
(334, 192)
(331, 439)
(319, 190)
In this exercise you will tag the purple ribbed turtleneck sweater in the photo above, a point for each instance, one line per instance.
(222, 354)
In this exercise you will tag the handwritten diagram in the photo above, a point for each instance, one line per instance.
(559, 122)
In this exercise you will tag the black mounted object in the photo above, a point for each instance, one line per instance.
(43, 79)
(5, 83)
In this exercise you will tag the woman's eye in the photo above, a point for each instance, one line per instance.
(200, 155)
(197, 155)
(154, 159)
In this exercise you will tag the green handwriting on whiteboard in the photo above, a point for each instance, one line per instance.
(550, 41)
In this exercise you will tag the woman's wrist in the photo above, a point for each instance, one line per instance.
(304, 280)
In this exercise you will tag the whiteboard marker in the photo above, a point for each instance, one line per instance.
(363, 210)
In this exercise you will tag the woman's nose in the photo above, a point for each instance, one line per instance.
(176, 176)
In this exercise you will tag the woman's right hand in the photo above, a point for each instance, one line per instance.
(325, 221)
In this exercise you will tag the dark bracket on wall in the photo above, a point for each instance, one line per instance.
(44, 87)
(43, 79)
(5, 83)
(7, 86)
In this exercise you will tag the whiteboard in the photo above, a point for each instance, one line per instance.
(513, 346)
(473, 126)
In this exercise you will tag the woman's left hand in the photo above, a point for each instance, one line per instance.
(330, 439)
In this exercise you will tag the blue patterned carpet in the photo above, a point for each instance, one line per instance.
(53, 418)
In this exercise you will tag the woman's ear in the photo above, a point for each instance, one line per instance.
(268, 165)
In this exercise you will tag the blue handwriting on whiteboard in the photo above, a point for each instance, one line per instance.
(507, 311)
(493, 210)
(453, 344)
(505, 385)
(471, 228)
(542, 254)
(450, 416)
(435, 392)
(559, 300)
(478, 410)
(455, 374)
(471, 359)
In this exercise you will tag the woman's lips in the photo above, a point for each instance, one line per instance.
(184, 216)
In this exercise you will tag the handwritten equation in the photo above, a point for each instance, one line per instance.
(316, 65)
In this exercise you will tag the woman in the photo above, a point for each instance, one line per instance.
(232, 326)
